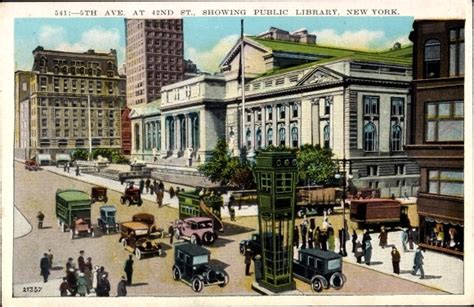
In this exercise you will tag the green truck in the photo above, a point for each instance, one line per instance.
(73, 211)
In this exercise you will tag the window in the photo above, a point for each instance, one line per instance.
(327, 106)
(270, 113)
(326, 136)
(370, 135)
(249, 116)
(258, 136)
(282, 136)
(249, 138)
(294, 108)
(399, 169)
(281, 111)
(396, 138)
(371, 105)
(266, 182)
(444, 121)
(456, 52)
(259, 114)
(432, 58)
(294, 137)
(372, 170)
(270, 136)
(397, 106)
(446, 182)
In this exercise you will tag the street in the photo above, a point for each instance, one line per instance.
(35, 191)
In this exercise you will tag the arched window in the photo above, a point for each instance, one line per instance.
(294, 137)
(248, 136)
(270, 136)
(370, 136)
(396, 138)
(258, 137)
(327, 136)
(432, 58)
(282, 136)
(64, 70)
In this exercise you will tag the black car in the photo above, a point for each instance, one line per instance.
(253, 244)
(191, 266)
(323, 269)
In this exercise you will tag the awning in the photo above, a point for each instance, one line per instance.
(441, 220)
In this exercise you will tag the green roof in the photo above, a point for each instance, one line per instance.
(73, 195)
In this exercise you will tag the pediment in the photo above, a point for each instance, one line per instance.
(321, 75)
(133, 113)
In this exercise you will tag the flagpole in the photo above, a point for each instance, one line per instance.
(242, 80)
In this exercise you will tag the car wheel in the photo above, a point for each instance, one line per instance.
(242, 250)
(197, 284)
(176, 273)
(100, 197)
(336, 281)
(226, 280)
(193, 239)
(71, 234)
(317, 285)
(122, 200)
(138, 253)
(209, 237)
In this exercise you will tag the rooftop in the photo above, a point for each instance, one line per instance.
(73, 195)
(192, 249)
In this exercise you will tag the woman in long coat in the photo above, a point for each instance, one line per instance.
(368, 251)
(383, 237)
(95, 278)
(82, 288)
(354, 240)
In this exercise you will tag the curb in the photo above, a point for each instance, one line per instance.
(31, 226)
(396, 276)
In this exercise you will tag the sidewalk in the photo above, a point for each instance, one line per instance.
(22, 227)
(442, 271)
(116, 186)
(41, 289)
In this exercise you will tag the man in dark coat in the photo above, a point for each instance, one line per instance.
(323, 239)
(141, 185)
(247, 261)
(304, 230)
(44, 267)
(63, 287)
(161, 186)
(128, 268)
(354, 240)
(69, 264)
(72, 281)
(122, 287)
(40, 218)
(147, 185)
(81, 263)
(410, 238)
(395, 260)
(418, 263)
(104, 285)
(296, 237)
(171, 232)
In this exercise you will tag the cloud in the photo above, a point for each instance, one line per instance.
(360, 39)
(209, 60)
(51, 36)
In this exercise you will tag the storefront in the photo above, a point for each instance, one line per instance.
(442, 234)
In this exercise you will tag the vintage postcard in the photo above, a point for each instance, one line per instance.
(292, 153)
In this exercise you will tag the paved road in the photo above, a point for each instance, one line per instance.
(35, 191)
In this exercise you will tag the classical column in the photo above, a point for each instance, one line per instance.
(176, 138)
(287, 125)
(163, 137)
(252, 129)
(263, 128)
(275, 125)
(189, 128)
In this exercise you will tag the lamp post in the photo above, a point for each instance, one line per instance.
(343, 174)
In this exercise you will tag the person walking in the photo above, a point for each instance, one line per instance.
(122, 287)
(404, 238)
(95, 278)
(88, 272)
(141, 186)
(383, 237)
(304, 231)
(247, 261)
(81, 264)
(77, 170)
(69, 264)
(82, 288)
(354, 240)
(418, 263)
(359, 251)
(317, 234)
(323, 238)
(44, 267)
(104, 285)
(310, 237)
(128, 268)
(410, 239)
(50, 258)
(147, 185)
(72, 281)
(161, 186)
(367, 250)
(171, 232)
(40, 217)
(63, 287)
(296, 237)
(395, 260)
(154, 187)
(159, 198)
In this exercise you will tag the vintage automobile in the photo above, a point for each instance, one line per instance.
(81, 227)
(73, 211)
(140, 235)
(253, 244)
(131, 196)
(99, 194)
(31, 165)
(191, 266)
(106, 221)
(323, 269)
(198, 230)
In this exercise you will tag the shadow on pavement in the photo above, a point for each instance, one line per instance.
(432, 277)
(222, 242)
(218, 264)
(139, 284)
(232, 229)
(376, 262)
(56, 268)
(46, 227)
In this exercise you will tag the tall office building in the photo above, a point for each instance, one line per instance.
(154, 57)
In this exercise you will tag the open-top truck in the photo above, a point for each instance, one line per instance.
(73, 211)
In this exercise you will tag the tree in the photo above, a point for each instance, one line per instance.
(80, 154)
(113, 155)
(315, 164)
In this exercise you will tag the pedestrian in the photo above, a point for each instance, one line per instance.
(230, 206)
(77, 170)
(128, 268)
(122, 287)
(354, 240)
(359, 251)
(257, 260)
(159, 198)
(50, 258)
(65, 167)
(44, 267)
(72, 281)
(304, 231)
(310, 237)
(171, 192)
(88, 272)
(395, 260)
(296, 237)
(171, 232)
(154, 186)
(418, 263)
(404, 238)
(323, 238)
(69, 264)
(331, 239)
(141, 185)
(104, 285)
(382, 237)
(368, 251)
(81, 264)
(247, 261)
(82, 288)
(95, 278)
(40, 218)
(317, 235)
(414, 234)
(161, 186)
(63, 287)
(410, 239)
(365, 237)
(68, 166)
(147, 185)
